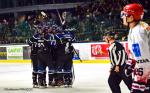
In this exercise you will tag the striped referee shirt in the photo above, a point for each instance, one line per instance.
(117, 54)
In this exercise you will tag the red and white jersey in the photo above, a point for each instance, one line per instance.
(139, 46)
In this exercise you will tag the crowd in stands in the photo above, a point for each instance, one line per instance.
(90, 20)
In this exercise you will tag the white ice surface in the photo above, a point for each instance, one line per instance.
(89, 78)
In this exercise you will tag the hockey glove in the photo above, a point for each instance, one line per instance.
(129, 67)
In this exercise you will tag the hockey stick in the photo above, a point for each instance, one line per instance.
(63, 24)
(59, 16)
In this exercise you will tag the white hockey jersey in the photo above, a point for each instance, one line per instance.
(139, 46)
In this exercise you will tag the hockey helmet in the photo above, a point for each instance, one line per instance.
(136, 10)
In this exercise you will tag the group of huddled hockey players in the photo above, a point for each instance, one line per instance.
(51, 47)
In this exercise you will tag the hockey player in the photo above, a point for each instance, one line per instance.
(68, 39)
(59, 57)
(41, 64)
(50, 38)
(34, 48)
(138, 44)
(44, 58)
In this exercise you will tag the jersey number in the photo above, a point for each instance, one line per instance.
(40, 45)
(138, 71)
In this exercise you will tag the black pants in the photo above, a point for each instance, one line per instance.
(45, 60)
(59, 64)
(34, 61)
(115, 79)
(60, 58)
(68, 63)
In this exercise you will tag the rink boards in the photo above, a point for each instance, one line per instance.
(95, 52)
(74, 61)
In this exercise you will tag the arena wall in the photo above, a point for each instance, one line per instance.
(95, 52)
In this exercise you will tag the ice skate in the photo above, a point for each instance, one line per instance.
(42, 84)
(35, 85)
(59, 83)
(68, 82)
(34, 77)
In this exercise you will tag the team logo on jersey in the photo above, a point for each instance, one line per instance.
(136, 50)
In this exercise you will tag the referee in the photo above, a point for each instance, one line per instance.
(118, 58)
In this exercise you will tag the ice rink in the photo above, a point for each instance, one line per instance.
(89, 78)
